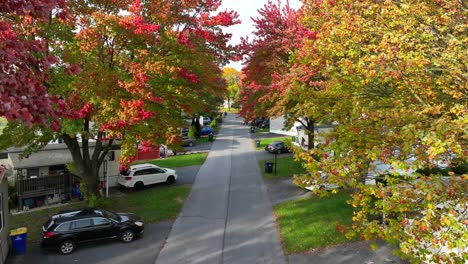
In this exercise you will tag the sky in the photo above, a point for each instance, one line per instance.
(246, 10)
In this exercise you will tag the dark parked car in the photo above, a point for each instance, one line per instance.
(206, 130)
(277, 147)
(188, 141)
(65, 230)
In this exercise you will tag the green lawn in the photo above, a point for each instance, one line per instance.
(311, 223)
(153, 204)
(286, 167)
(232, 110)
(202, 140)
(179, 160)
(265, 141)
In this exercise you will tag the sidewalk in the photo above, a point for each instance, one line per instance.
(228, 216)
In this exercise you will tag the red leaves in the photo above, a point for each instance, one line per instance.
(188, 76)
(137, 23)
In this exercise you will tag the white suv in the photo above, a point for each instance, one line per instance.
(140, 175)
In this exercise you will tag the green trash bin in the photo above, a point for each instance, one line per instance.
(18, 240)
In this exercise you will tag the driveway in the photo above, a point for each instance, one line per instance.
(141, 251)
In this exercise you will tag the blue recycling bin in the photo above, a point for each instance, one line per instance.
(18, 240)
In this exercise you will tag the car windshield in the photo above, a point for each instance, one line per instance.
(110, 215)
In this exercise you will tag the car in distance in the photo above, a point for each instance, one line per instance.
(206, 130)
(277, 147)
(188, 141)
(206, 121)
(68, 229)
(140, 175)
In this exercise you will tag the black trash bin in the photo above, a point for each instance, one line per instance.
(257, 143)
(268, 167)
(252, 129)
(210, 137)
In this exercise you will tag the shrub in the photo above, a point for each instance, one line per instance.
(213, 123)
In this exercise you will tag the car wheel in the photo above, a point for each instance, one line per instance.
(278, 151)
(190, 144)
(322, 188)
(66, 247)
(139, 185)
(170, 179)
(127, 236)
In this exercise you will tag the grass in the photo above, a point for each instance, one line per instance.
(179, 160)
(265, 141)
(312, 223)
(231, 111)
(152, 204)
(262, 130)
(202, 140)
(286, 167)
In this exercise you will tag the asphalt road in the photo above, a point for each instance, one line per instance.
(228, 216)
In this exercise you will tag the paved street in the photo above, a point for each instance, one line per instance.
(228, 216)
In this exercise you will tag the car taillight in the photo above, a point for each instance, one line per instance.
(48, 234)
(128, 178)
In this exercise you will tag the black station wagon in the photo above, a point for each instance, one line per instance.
(65, 230)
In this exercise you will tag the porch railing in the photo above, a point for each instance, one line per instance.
(44, 185)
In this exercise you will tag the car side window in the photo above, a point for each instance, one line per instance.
(100, 221)
(158, 170)
(82, 223)
(63, 227)
(142, 172)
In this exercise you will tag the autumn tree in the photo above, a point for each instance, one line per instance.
(392, 75)
(25, 61)
(267, 86)
(125, 71)
(233, 78)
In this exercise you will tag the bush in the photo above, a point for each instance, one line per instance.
(12, 197)
(213, 123)
(192, 132)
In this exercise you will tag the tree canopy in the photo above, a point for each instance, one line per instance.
(111, 70)
(392, 76)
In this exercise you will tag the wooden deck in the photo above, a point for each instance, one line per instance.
(35, 187)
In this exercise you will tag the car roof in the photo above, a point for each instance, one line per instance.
(142, 166)
(76, 214)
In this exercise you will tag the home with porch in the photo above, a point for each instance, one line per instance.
(43, 178)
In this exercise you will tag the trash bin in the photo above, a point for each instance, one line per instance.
(210, 137)
(268, 167)
(252, 129)
(18, 240)
(257, 143)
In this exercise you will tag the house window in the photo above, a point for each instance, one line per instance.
(34, 172)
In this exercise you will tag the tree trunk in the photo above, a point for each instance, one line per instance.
(310, 134)
(309, 125)
(229, 103)
(87, 166)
